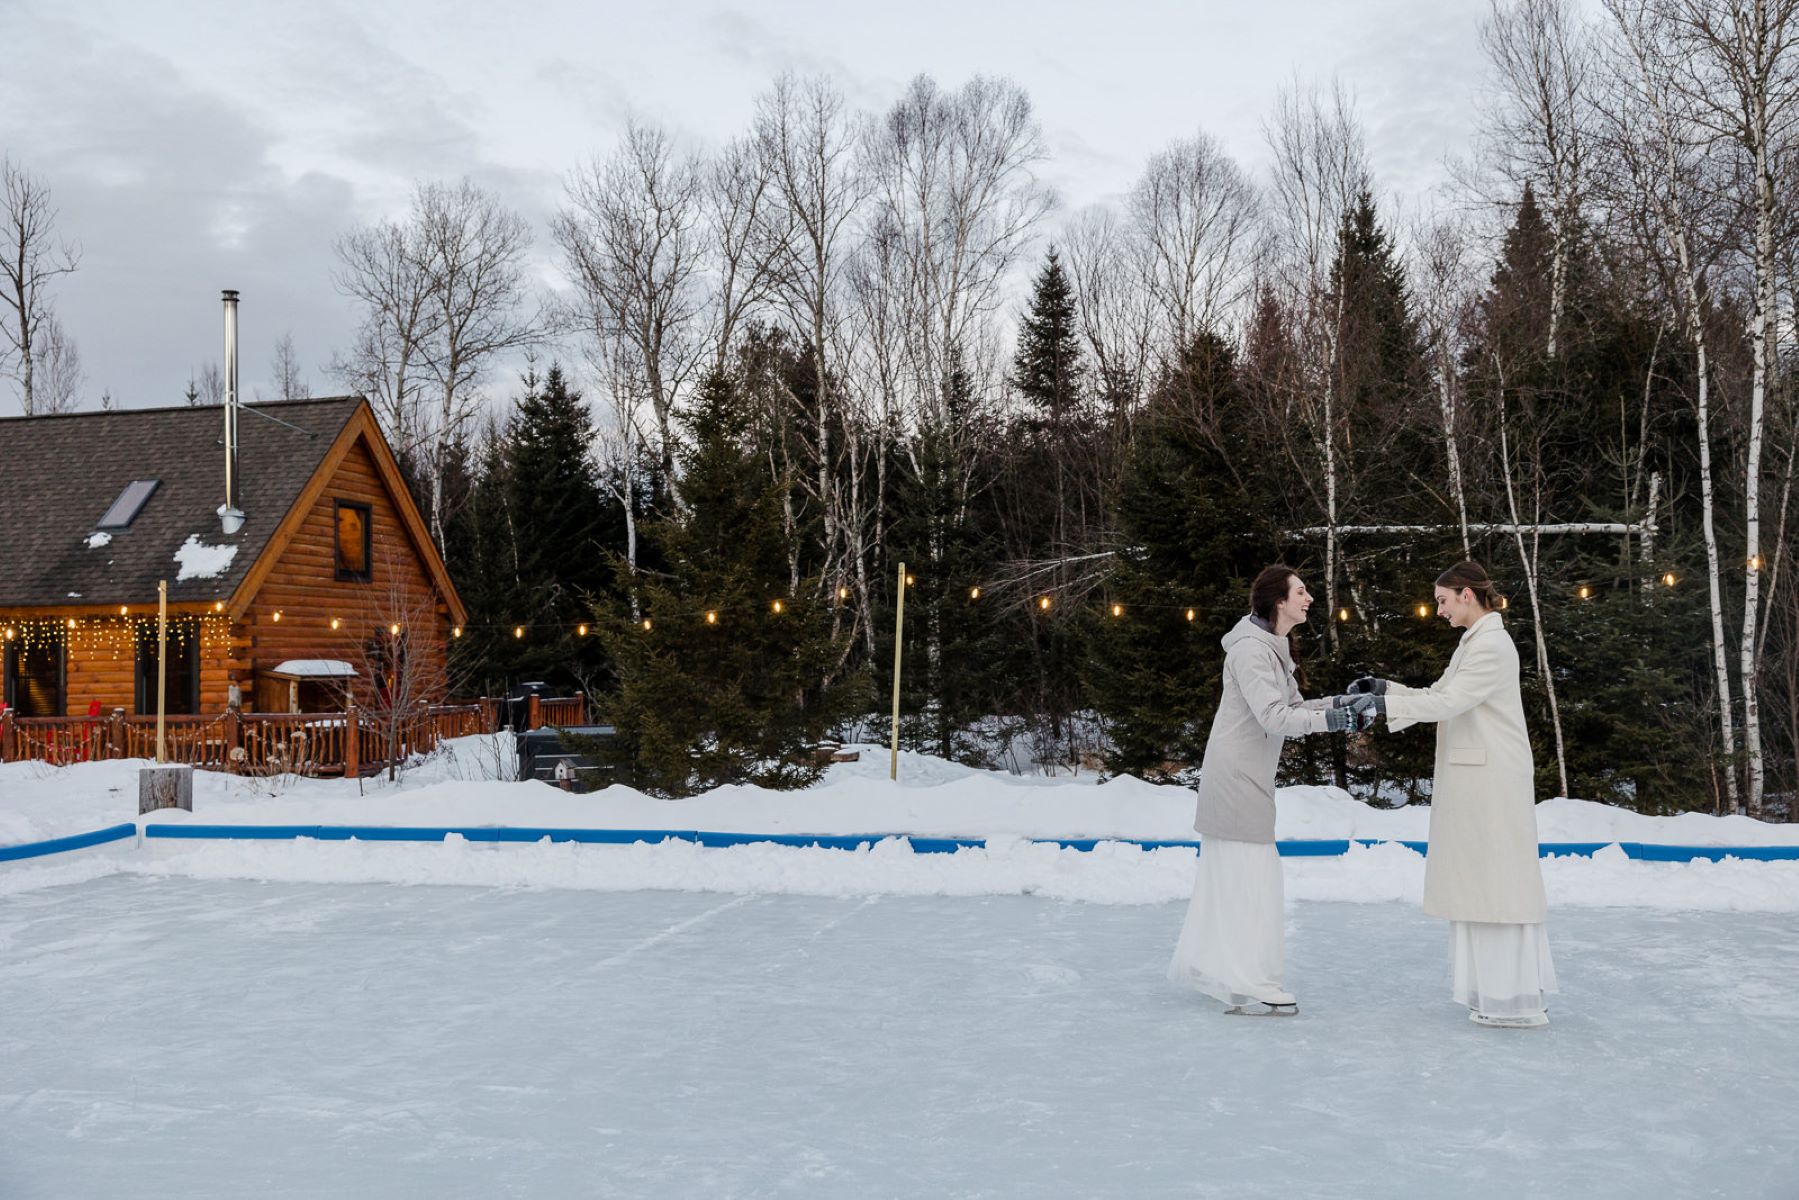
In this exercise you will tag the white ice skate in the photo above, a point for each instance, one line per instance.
(1533, 1021)
(1268, 1004)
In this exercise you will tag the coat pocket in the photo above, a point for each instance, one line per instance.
(1468, 756)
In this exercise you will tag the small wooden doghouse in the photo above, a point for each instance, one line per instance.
(333, 562)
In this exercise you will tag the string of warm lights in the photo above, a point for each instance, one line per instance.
(122, 631)
(115, 633)
(1044, 602)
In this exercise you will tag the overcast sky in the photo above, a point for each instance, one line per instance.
(198, 146)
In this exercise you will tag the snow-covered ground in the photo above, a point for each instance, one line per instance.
(933, 798)
(169, 1037)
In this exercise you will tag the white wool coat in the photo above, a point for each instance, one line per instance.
(1482, 864)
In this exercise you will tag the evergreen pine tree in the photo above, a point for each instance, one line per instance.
(1195, 532)
(728, 681)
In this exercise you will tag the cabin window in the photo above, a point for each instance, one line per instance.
(352, 525)
(181, 667)
(35, 675)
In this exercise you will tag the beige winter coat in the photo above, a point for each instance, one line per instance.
(1482, 863)
(1260, 709)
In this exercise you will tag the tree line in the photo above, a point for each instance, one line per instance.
(846, 340)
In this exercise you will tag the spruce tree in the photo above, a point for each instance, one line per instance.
(732, 678)
(1195, 532)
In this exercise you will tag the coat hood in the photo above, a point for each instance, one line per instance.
(1249, 630)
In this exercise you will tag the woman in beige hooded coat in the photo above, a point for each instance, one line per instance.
(1481, 873)
(1233, 943)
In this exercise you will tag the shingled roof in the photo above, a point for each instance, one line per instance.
(60, 474)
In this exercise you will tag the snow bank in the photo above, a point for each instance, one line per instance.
(933, 798)
(1114, 873)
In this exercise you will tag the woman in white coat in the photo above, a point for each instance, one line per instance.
(1233, 943)
(1481, 872)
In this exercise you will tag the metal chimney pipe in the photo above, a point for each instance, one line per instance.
(231, 516)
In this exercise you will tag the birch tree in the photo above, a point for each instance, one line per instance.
(1320, 167)
(1195, 213)
(807, 139)
(1663, 153)
(382, 268)
(1540, 120)
(633, 239)
(473, 251)
(31, 258)
(1445, 289)
(1740, 69)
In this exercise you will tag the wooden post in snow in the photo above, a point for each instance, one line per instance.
(899, 628)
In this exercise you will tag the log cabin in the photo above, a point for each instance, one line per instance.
(331, 590)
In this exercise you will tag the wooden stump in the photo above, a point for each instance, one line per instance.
(169, 786)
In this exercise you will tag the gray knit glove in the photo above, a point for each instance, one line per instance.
(1368, 685)
(1351, 714)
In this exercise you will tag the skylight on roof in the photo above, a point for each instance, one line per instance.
(124, 510)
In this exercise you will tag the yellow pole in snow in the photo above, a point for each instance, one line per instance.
(899, 627)
(162, 673)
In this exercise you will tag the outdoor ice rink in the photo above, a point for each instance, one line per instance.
(164, 1037)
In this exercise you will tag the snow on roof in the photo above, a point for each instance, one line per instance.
(314, 668)
(96, 540)
(200, 561)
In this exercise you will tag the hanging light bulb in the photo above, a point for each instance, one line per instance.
(646, 624)
(1424, 610)
(518, 631)
(974, 593)
(10, 632)
(777, 607)
(71, 622)
(277, 617)
(1043, 603)
(394, 630)
(218, 606)
(843, 593)
(335, 623)
(911, 580)
(1342, 614)
(1669, 579)
(1118, 610)
(580, 631)
(456, 632)
(1586, 593)
(1193, 614)
(711, 616)
(123, 611)
(1755, 562)
(1505, 602)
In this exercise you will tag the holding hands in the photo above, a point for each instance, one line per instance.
(1353, 713)
(1368, 685)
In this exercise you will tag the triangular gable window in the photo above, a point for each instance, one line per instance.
(124, 510)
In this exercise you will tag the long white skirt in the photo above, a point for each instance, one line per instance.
(1233, 942)
(1500, 970)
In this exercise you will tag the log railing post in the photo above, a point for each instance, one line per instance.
(115, 734)
(6, 735)
(534, 712)
(352, 744)
(233, 735)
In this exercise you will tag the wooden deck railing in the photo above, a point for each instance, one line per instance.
(355, 741)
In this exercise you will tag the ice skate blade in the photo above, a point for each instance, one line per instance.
(1537, 1021)
(1262, 1010)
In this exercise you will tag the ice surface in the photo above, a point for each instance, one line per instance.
(177, 1037)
